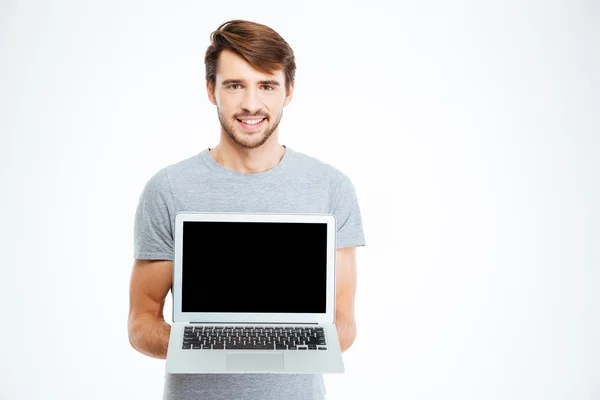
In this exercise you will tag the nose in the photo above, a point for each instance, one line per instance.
(251, 101)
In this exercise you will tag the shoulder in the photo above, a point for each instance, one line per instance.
(165, 176)
(188, 166)
(340, 185)
(318, 168)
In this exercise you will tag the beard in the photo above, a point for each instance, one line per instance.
(245, 141)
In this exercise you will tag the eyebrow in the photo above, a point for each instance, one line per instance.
(238, 81)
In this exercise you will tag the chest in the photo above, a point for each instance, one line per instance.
(283, 196)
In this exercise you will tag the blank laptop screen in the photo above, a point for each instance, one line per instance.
(254, 267)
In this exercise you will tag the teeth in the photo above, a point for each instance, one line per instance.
(252, 121)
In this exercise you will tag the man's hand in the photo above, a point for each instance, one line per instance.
(346, 330)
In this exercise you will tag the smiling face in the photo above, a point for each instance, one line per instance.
(249, 102)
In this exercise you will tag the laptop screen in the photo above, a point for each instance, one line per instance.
(254, 267)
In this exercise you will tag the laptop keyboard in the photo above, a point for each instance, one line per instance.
(253, 338)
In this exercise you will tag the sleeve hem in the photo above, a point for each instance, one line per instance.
(341, 245)
(153, 256)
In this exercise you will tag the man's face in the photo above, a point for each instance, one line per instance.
(249, 102)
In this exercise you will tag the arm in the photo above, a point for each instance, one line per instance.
(150, 284)
(345, 284)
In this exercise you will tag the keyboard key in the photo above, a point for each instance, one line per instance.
(248, 347)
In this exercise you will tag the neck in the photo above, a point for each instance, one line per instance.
(248, 161)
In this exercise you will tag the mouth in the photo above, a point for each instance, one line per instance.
(251, 124)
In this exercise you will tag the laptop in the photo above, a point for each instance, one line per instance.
(254, 293)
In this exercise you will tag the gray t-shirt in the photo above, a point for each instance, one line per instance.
(297, 184)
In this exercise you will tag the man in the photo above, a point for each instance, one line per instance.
(250, 79)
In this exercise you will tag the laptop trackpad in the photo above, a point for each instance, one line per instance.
(254, 362)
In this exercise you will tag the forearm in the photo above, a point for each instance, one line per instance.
(346, 329)
(149, 335)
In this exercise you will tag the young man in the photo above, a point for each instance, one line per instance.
(250, 79)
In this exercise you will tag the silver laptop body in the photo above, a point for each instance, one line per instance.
(254, 292)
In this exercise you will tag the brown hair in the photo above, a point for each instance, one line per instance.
(258, 44)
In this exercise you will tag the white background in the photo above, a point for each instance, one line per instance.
(470, 132)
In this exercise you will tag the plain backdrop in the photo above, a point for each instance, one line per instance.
(469, 129)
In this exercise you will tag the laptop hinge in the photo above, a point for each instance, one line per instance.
(254, 323)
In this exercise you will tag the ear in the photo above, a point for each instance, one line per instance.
(288, 96)
(211, 93)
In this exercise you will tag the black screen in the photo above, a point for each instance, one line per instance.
(254, 267)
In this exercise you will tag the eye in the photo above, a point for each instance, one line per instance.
(269, 88)
(232, 85)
